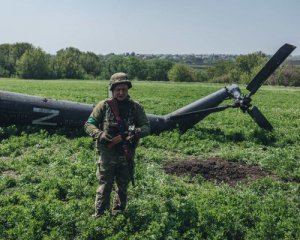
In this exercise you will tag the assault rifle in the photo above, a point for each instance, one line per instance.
(129, 140)
(123, 134)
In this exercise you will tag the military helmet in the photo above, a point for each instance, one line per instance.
(119, 78)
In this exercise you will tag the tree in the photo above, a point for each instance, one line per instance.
(247, 66)
(200, 76)
(157, 69)
(16, 52)
(5, 65)
(219, 69)
(113, 64)
(9, 55)
(242, 70)
(34, 63)
(90, 63)
(66, 64)
(135, 68)
(286, 75)
(180, 73)
(4, 72)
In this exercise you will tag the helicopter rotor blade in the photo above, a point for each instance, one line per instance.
(269, 68)
(203, 111)
(259, 118)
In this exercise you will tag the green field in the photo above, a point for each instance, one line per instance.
(48, 182)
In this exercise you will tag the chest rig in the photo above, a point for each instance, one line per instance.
(118, 115)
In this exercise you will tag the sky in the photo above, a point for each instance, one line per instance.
(153, 26)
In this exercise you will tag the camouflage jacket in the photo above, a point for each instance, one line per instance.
(102, 119)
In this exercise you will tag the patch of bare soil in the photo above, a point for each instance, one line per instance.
(217, 169)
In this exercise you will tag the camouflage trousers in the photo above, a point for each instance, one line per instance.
(110, 169)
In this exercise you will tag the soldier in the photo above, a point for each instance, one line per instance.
(116, 124)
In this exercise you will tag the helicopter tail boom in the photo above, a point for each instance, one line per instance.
(183, 118)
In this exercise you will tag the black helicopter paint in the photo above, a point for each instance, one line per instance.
(22, 109)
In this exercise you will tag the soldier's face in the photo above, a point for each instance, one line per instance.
(120, 92)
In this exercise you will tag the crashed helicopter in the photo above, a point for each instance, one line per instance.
(22, 109)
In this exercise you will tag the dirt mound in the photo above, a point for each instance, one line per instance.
(216, 169)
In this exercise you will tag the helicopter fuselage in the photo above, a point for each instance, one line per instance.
(23, 109)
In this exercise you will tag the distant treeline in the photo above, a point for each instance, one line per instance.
(23, 60)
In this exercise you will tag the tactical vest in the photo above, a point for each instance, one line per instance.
(126, 112)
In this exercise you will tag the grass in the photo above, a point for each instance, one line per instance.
(47, 177)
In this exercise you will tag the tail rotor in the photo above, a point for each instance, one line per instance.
(244, 102)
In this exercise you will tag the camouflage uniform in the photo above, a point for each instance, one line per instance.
(112, 163)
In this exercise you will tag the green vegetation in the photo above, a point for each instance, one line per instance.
(48, 182)
(180, 73)
(23, 60)
(28, 62)
(245, 67)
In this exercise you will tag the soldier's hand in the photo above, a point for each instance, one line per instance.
(105, 138)
(115, 141)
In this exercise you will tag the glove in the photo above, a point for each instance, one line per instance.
(105, 138)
